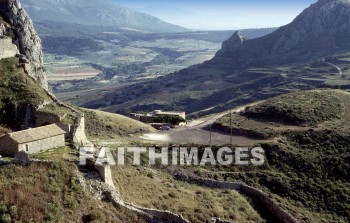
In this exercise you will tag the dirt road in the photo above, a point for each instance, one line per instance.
(198, 132)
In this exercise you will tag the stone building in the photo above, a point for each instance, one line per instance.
(32, 140)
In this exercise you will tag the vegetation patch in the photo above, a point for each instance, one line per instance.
(172, 119)
(197, 204)
(108, 125)
(299, 108)
(16, 86)
(50, 192)
(307, 172)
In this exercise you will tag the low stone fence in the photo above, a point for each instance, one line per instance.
(218, 220)
(208, 183)
(272, 206)
(150, 215)
(105, 173)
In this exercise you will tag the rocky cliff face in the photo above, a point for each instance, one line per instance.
(326, 18)
(26, 38)
(319, 31)
(234, 42)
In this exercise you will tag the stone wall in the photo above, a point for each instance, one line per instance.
(218, 220)
(150, 215)
(79, 135)
(208, 183)
(105, 173)
(44, 118)
(272, 206)
(7, 48)
(42, 145)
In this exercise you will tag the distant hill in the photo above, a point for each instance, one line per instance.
(319, 31)
(311, 52)
(95, 12)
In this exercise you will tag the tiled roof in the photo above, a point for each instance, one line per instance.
(35, 134)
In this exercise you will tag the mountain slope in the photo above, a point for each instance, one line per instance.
(95, 12)
(20, 29)
(301, 55)
(320, 30)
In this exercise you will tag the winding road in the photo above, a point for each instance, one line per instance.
(340, 72)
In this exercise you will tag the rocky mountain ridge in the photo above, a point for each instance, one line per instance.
(318, 31)
(96, 12)
(24, 37)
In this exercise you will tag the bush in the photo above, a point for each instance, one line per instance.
(95, 216)
(5, 218)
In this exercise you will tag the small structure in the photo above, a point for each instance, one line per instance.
(32, 140)
(150, 117)
(181, 114)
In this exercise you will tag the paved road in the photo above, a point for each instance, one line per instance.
(198, 132)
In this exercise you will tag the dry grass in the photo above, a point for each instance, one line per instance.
(154, 189)
(51, 193)
(319, 109)
(108, 125)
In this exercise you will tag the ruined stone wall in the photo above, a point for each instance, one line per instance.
(7, 48)
(79, 135)
(272, 206)
(209, 183)
(105, 173)
(150, 215)
(218, 220)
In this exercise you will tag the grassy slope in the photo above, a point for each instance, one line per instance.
(307, 169)
(102, 125)
(309, 107)
(197, 204)
(50, 193)
(16, 86)
(319, 109)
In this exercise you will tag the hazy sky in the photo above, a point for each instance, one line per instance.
(221, 14)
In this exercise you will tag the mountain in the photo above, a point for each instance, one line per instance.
(25, 38)
(312, 51)
(95, 12)
(320, 30)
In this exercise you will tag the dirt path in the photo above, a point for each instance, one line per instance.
(340, 72)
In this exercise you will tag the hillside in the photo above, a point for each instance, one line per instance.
(318, 109)
(50, 187)
(96, 12)
(53, 192)
(319, 31)
(311, 52)
(17, 91)
(306, 167)
(301, 108)
(103, 125)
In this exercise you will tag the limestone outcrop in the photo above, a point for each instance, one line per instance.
(25, 37)
(318, 32)
(234, 42)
